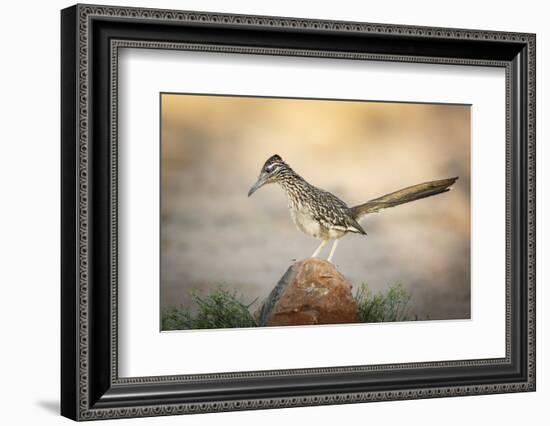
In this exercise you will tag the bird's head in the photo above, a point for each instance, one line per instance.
(272, 170)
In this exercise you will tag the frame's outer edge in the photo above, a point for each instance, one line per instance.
(531, 114)
(69, 190)
(75, 392)
(282, 22)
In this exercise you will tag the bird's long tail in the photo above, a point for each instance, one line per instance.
(405, 195)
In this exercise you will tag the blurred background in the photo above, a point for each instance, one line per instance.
(212, 234)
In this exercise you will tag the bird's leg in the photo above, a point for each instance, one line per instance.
(332, 250)
(316, 252)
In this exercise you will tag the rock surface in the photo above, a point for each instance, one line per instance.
(311, 292)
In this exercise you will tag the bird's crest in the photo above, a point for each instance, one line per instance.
(273, 161)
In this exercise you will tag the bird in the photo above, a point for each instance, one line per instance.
(323, 215)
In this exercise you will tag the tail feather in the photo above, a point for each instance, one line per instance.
(405, 195)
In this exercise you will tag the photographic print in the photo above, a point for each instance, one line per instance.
(293, 212)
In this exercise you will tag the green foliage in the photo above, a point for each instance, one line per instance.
(389, 306)
(176, 318)
(219, 308)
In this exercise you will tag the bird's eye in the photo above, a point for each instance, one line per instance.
(270, 168)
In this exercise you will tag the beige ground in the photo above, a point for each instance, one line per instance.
(212, 151)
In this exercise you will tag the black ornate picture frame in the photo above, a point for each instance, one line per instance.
(91, 37)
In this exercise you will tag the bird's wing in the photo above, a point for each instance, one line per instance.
(334, 213)
(353, 226)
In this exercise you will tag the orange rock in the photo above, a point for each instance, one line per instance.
(311, 292)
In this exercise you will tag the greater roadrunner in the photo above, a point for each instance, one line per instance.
(323, 215)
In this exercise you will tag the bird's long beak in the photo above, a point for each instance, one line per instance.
(259, 183)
